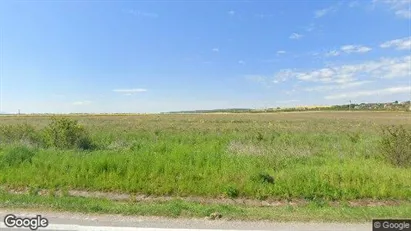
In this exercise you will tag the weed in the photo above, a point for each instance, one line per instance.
(261, 195)
(232, 192)
(16, 156)
(396, 145)
(259, 137)
(264, 178)
(17, 133)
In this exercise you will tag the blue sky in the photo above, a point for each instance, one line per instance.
(153, 56)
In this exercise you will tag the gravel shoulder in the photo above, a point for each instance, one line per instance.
(119, 221)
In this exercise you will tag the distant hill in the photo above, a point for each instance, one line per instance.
(389, 106)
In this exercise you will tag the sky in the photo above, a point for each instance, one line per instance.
(158, 56)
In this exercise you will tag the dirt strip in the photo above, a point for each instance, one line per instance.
(204, 200)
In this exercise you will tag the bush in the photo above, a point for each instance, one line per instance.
(17, 156)
(65, 133)
(19, 133)
(396, 145)
(231, 192)
(263, 178)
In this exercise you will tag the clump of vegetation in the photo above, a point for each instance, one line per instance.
(396, 145)
(14, 133)
(231, 192)
(259, 137)
(65, 133)
(264, 178)
(16, 156)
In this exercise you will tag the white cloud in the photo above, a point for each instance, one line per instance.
(281, 52)
(310, 27)
(295, 36)
(241, 62)
(323, 12)
(231, 12)
(348, 49)
(380, 92)
(333, 53)
(82, 103)
(284, 75)
(216, 50)
(383, 68)
(130, 91)
(403, 13)
(355, 49)
(399, 44)
(337, 86)
(401, 8)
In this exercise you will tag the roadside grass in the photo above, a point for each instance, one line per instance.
(181, 173)
(308, 156)
(179, 208)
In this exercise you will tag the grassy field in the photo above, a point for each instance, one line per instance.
(327, 156)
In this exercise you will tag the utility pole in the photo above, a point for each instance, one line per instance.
(19, 111)
(349, 106)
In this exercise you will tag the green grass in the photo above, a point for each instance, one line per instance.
(179, 208)
(308, 155)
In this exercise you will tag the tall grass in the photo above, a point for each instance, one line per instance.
(221, 155)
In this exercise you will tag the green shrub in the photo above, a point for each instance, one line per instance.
(231, 192)
(65, 133)
(396, 145)
(263, 178)
(259, 137)
(17, 155)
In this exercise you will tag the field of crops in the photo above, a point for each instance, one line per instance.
(302, 155)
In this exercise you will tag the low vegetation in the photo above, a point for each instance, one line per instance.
(179, 208)
(310, 156)
(396, 145)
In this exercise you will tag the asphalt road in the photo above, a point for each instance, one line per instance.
(82, 222)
